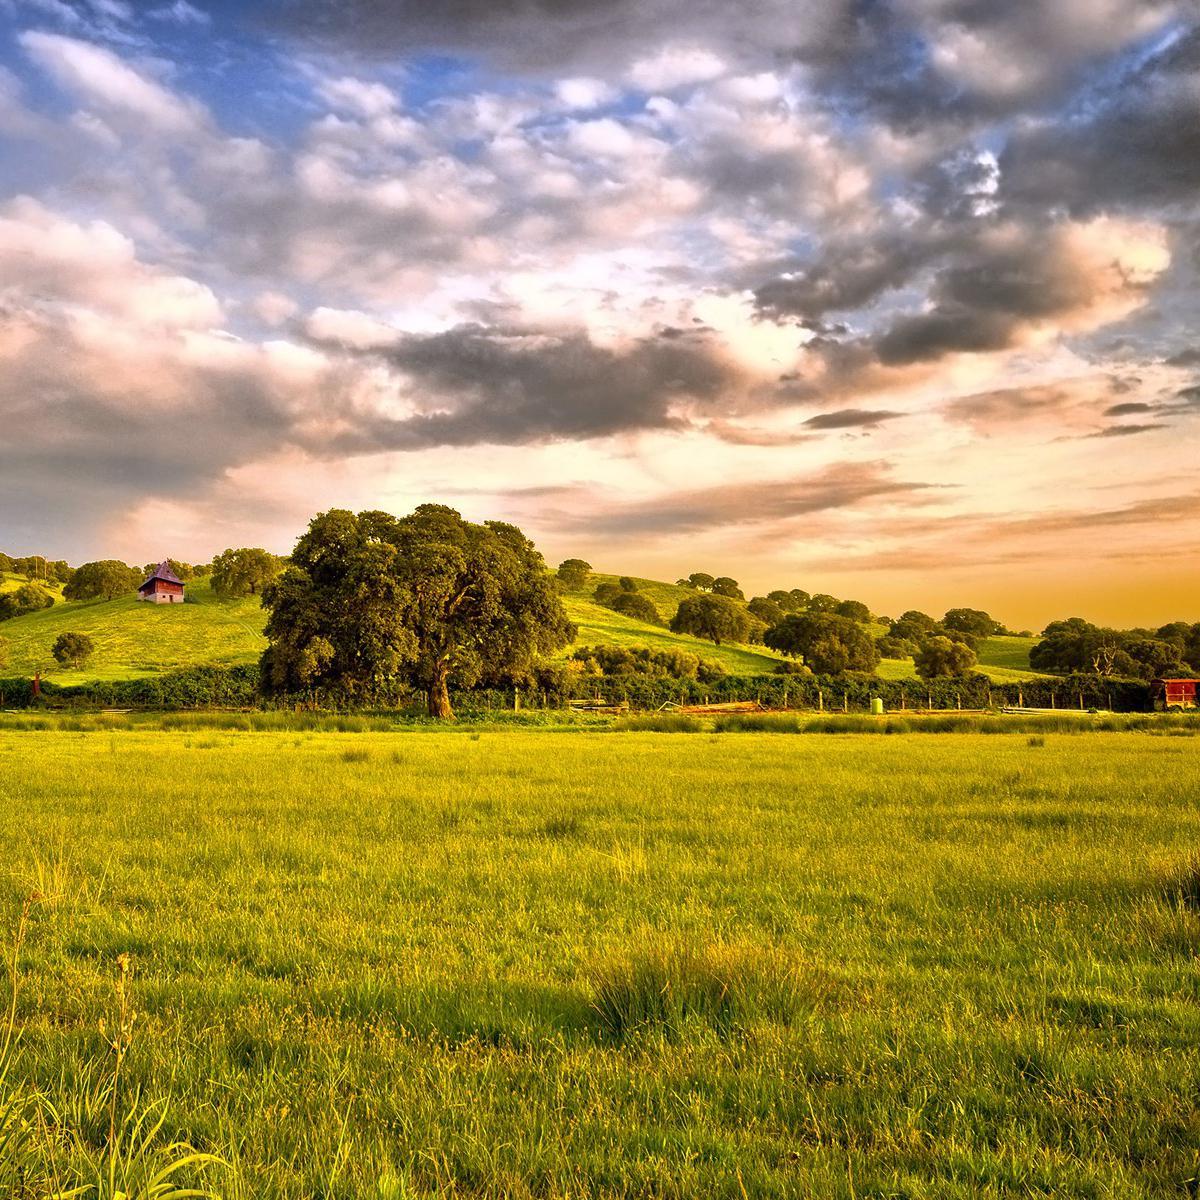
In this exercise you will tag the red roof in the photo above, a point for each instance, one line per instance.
(162, 571)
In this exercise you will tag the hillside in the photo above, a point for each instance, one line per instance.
(136, 639)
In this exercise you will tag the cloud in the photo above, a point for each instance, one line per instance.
(835, 487)
(100, 78)
(1137, 144)
(1021, 283)
(473, 384)
(851, 418)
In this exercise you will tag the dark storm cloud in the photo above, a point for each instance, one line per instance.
(1117, 431)
(980, 302)
(516, 387)
(852, 418)
(1139, 144)
(840, 486)
(1129, 409)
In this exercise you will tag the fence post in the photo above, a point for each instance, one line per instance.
(516, 699)
(929, 700)
(1052, 701)
(1020, 697)
(845, 703)
(820, 700)
(785, 698)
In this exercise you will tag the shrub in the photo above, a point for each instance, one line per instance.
(606, 593)
(28, 598)
(632, 604)
(72, 649)
(628, 583)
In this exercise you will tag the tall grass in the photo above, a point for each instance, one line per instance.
(537, 964)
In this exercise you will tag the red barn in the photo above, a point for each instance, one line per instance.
(1175, 693)
(163, 587)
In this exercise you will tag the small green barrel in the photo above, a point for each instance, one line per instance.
(877, 706)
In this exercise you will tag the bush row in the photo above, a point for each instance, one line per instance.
(237, 687)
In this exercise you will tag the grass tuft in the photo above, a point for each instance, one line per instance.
(659, 723)
(667, 989)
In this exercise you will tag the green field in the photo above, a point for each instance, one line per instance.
(523, 964)
(134, 639)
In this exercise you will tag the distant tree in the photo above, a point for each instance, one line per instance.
(699, 581)
(574, 572)
(58, 570)
(633, 604)
(894, 647)
(105, 579)
(28, 598)
(72, 649)
(827, 643)
(786, 600)
(244, 572)
(607, 592)
(6, 564)
(716, 618)
(724, 586)
(800, 599)
(973, 621)
(822, 602)
(856, 610)
(431, 598)
(769, 611)
(913, 625)
(1156, 658)
(940, 658)
(628, 583)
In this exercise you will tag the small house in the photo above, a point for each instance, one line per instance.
(1175, 693)
(163, 586)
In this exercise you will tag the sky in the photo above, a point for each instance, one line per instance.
(894, 299)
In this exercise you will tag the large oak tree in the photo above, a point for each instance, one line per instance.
(430, 598)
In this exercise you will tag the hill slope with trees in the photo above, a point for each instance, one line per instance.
(133, 639)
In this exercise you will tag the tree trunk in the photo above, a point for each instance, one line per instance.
(438, 696)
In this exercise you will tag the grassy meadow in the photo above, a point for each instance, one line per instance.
(572, 964)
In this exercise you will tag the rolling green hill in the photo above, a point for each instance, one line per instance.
(136, 639)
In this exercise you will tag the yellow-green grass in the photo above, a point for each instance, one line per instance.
(134, 638)
(571, 965)
(10, 583)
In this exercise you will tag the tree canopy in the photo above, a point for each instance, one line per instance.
(724, 586)
(827, 643)
(105, 579)
(574, 572)
(940, 658)
(972, 621)
(716, 618)
(244, 572)
(430, 598)
(72, 649)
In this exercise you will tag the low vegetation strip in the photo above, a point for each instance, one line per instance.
(707, 966)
